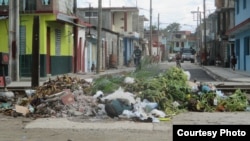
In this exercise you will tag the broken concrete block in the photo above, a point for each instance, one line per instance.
(77, 113)
(68, 98)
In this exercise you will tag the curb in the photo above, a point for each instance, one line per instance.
(220, 78)
(56, 123)
(215, 76)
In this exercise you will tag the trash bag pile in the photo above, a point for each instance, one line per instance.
(150, 98)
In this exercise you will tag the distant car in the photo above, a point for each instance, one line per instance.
(187, 56)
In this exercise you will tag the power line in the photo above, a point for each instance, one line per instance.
(132, 2)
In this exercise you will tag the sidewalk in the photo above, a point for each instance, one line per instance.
(191, 118)
(227, 74)
(26, 81)
(219, 73)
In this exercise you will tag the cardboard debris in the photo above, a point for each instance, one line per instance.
(22, 110)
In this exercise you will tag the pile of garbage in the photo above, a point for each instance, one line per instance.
(150, 98)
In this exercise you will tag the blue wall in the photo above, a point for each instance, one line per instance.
(128, 49)
(241, 14)
(242, 38)
(241, 45)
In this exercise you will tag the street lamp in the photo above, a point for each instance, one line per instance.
(99, 40)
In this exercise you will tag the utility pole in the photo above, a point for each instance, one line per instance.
(198, 20)
(11, 36)
(198, 37)
(75, 7)
(89, 34)
(205, 45)
(35, 76)
(158, 34)
(75, 39)
(13, 70)
(150, 26)
(99, 36)
(17, 34)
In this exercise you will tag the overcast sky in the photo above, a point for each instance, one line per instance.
(169, 10)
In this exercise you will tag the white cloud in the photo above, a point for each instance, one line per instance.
(169, 10)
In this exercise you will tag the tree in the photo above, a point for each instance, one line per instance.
(172, 28)
(154, 27)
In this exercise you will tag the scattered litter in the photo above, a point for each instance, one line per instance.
(67, 96)
(22, 110)
(129, 80)
(7, 94)
(187, 73)
(30, 92)
(99, 94)
(120, 94)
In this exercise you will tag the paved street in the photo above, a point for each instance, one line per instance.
(51, 129)
(53, 49)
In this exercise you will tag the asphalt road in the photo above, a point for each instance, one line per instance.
(196, 71)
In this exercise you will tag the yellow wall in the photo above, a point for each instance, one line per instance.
(4, 36)
(28, 22)
(66, 39)
(45, 21)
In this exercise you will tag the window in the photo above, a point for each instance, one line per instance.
(91, 14)
(4, 2)
(94, 14)
(22, 40)
(247, 42)
(237, 50)
(87, 14)
(46, 2)
(177, 44)
(58, 41)
(237, 7)
(182, 44)
(244, 4)
(178, 36)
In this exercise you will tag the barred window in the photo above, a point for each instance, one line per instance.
(46, 2)
(91, 14)
(248, 46)
(22, 40)
(177, 44)
(58, 42)
(244, 4)
(4, 2)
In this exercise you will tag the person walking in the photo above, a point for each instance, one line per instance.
(178, 59)
(137, 56)
(233, 61)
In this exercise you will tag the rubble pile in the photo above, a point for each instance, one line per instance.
(61, 97)
(147, 98)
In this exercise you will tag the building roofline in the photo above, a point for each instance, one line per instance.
(240, 26)
(112, 8)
